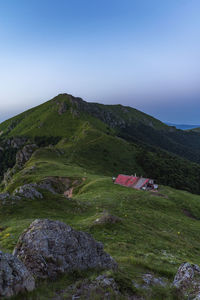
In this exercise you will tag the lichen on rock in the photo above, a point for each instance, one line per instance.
(14, 276)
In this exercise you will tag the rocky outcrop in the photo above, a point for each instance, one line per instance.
(48, 248)
(7, 198)
(4, 196)
(14, 276)
(25, 154)
(149, 281)
(55, 185)
(103, 286)
(9, 174)
(15, 142)
(22, 157)
(187, 281)
(59, 185)
(28, 191)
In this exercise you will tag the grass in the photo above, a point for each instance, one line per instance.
(155, 234)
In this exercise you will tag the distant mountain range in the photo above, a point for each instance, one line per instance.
(182, 126)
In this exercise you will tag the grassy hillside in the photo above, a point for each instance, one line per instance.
(157, 233)
(64, 115)
(92, 143)
(100, 139)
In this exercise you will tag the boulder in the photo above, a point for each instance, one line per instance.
(48, 248)
(187, 281)
(28, 191)
(14, 276)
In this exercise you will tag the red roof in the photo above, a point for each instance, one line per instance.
(131, 181)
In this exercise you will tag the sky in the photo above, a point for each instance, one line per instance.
(141, 53)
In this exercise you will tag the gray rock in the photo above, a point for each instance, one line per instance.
(28, 191)
(4, 196)
(14, 276)
(103, 286)
(105, 281)
(16, 142)
(187, 281)
(48, 248)
(7, 198)
(151, 280)
(25, 154)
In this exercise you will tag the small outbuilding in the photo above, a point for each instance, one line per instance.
(138, 183)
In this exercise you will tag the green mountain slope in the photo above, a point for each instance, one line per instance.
(64, 114)
(89, 143)
(107, 140)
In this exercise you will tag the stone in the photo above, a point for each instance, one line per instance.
(48, 248)
(14, 276)
(25, 154)
(187, 281)
(151, 280)
(15, 142)
(106, 218)
(28, 191)
(4, 196)
(7, 198)
(103, 286)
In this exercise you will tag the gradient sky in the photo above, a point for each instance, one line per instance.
(141, 53)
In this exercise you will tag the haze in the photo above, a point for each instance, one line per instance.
(142, 53)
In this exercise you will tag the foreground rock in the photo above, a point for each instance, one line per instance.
(48, 248)
(187, 281)
(14, 276)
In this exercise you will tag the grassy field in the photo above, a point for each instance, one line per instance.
(157, 233)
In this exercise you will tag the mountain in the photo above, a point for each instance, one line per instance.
(108, 139)
(196, 129)
(182, 126)
(66, 151)
(64, 115)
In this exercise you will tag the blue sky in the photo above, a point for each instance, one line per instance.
(141, 53)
